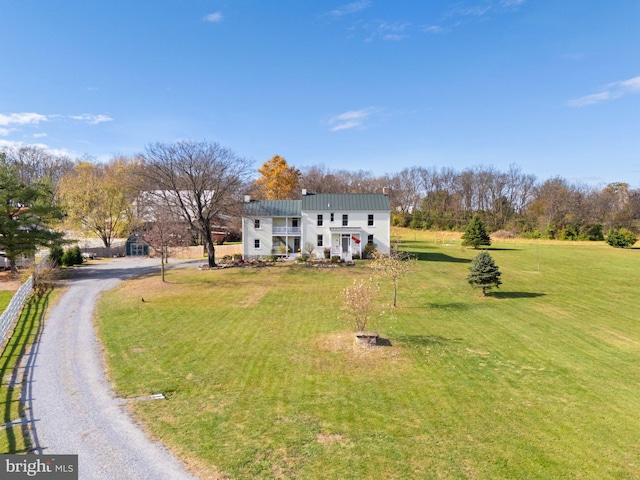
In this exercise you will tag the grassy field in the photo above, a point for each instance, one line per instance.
(540, 380)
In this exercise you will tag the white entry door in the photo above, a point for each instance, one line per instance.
(346, 244)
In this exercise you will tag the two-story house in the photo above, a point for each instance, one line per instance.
(343, 223)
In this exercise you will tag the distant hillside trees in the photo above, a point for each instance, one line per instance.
(35, 164)
(446, 199)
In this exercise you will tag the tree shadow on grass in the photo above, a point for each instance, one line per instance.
(437, 257)
(427, 340)
(406, 244)
(515, 294)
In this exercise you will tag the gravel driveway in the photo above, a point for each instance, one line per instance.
(71, 407)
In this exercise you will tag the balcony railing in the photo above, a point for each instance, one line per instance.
(286, 231)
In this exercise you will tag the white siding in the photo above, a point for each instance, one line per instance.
(250, 234)
(381, 229)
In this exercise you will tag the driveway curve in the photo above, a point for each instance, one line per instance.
(71, 407)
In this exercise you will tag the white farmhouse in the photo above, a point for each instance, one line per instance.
(343, 223)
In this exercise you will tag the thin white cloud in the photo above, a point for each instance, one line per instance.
(5, 131)
(477, 11)
(590, 99)
(215, 17)
(631, 85)
(387, 31)
(39, 135)
(92, 119)
(394, 37)
(433, 29)
(484, 8)
(21, 119)
(512, 3)
(350, 8)
(613, 90)
(350, 119)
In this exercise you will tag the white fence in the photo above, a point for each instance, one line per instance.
(9, 316)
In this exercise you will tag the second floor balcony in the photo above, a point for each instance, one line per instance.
(286, 230)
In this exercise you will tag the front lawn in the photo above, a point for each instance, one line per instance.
(538, 380)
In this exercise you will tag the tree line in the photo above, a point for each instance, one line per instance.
(513, 201)
(188, 191)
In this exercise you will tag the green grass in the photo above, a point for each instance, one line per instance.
(539, 380)
(13, 434)
(5, 298)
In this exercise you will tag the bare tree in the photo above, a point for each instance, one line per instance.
(162, 226)
(201, 180)
(406, 189)
(34, 164)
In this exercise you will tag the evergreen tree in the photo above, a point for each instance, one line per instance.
(27, 213)
(476, 234)
(484, 273)
(621, 238)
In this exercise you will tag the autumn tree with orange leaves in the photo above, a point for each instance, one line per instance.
(278, 180)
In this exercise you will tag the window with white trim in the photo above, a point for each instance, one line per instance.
(345, 220)
(320, 241)
(319, 219)
(370, 220)
(256, 223)
(332, 217)
(256, 243)
(370, 239)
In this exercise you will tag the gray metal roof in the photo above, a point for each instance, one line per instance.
(271, 208)
(342, 202)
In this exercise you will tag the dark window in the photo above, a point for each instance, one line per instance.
(319, 220)
(332, 217)
(256, 243)
(370, 220)
(370, 239)
(320, 240)
(256, 223)
(345, 220)
(294, 223)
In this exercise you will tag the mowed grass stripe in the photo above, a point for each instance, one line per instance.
(539, 380)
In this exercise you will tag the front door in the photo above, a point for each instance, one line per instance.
(346, 243)
(296, 245)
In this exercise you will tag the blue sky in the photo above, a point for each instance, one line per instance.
(552, 86)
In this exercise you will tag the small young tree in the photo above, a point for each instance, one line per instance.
(476, 234)
(484, 273)
(45, 274)
(309, 247)
(393, 266)
(621, 238)
(163, 227)
(358, 304)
